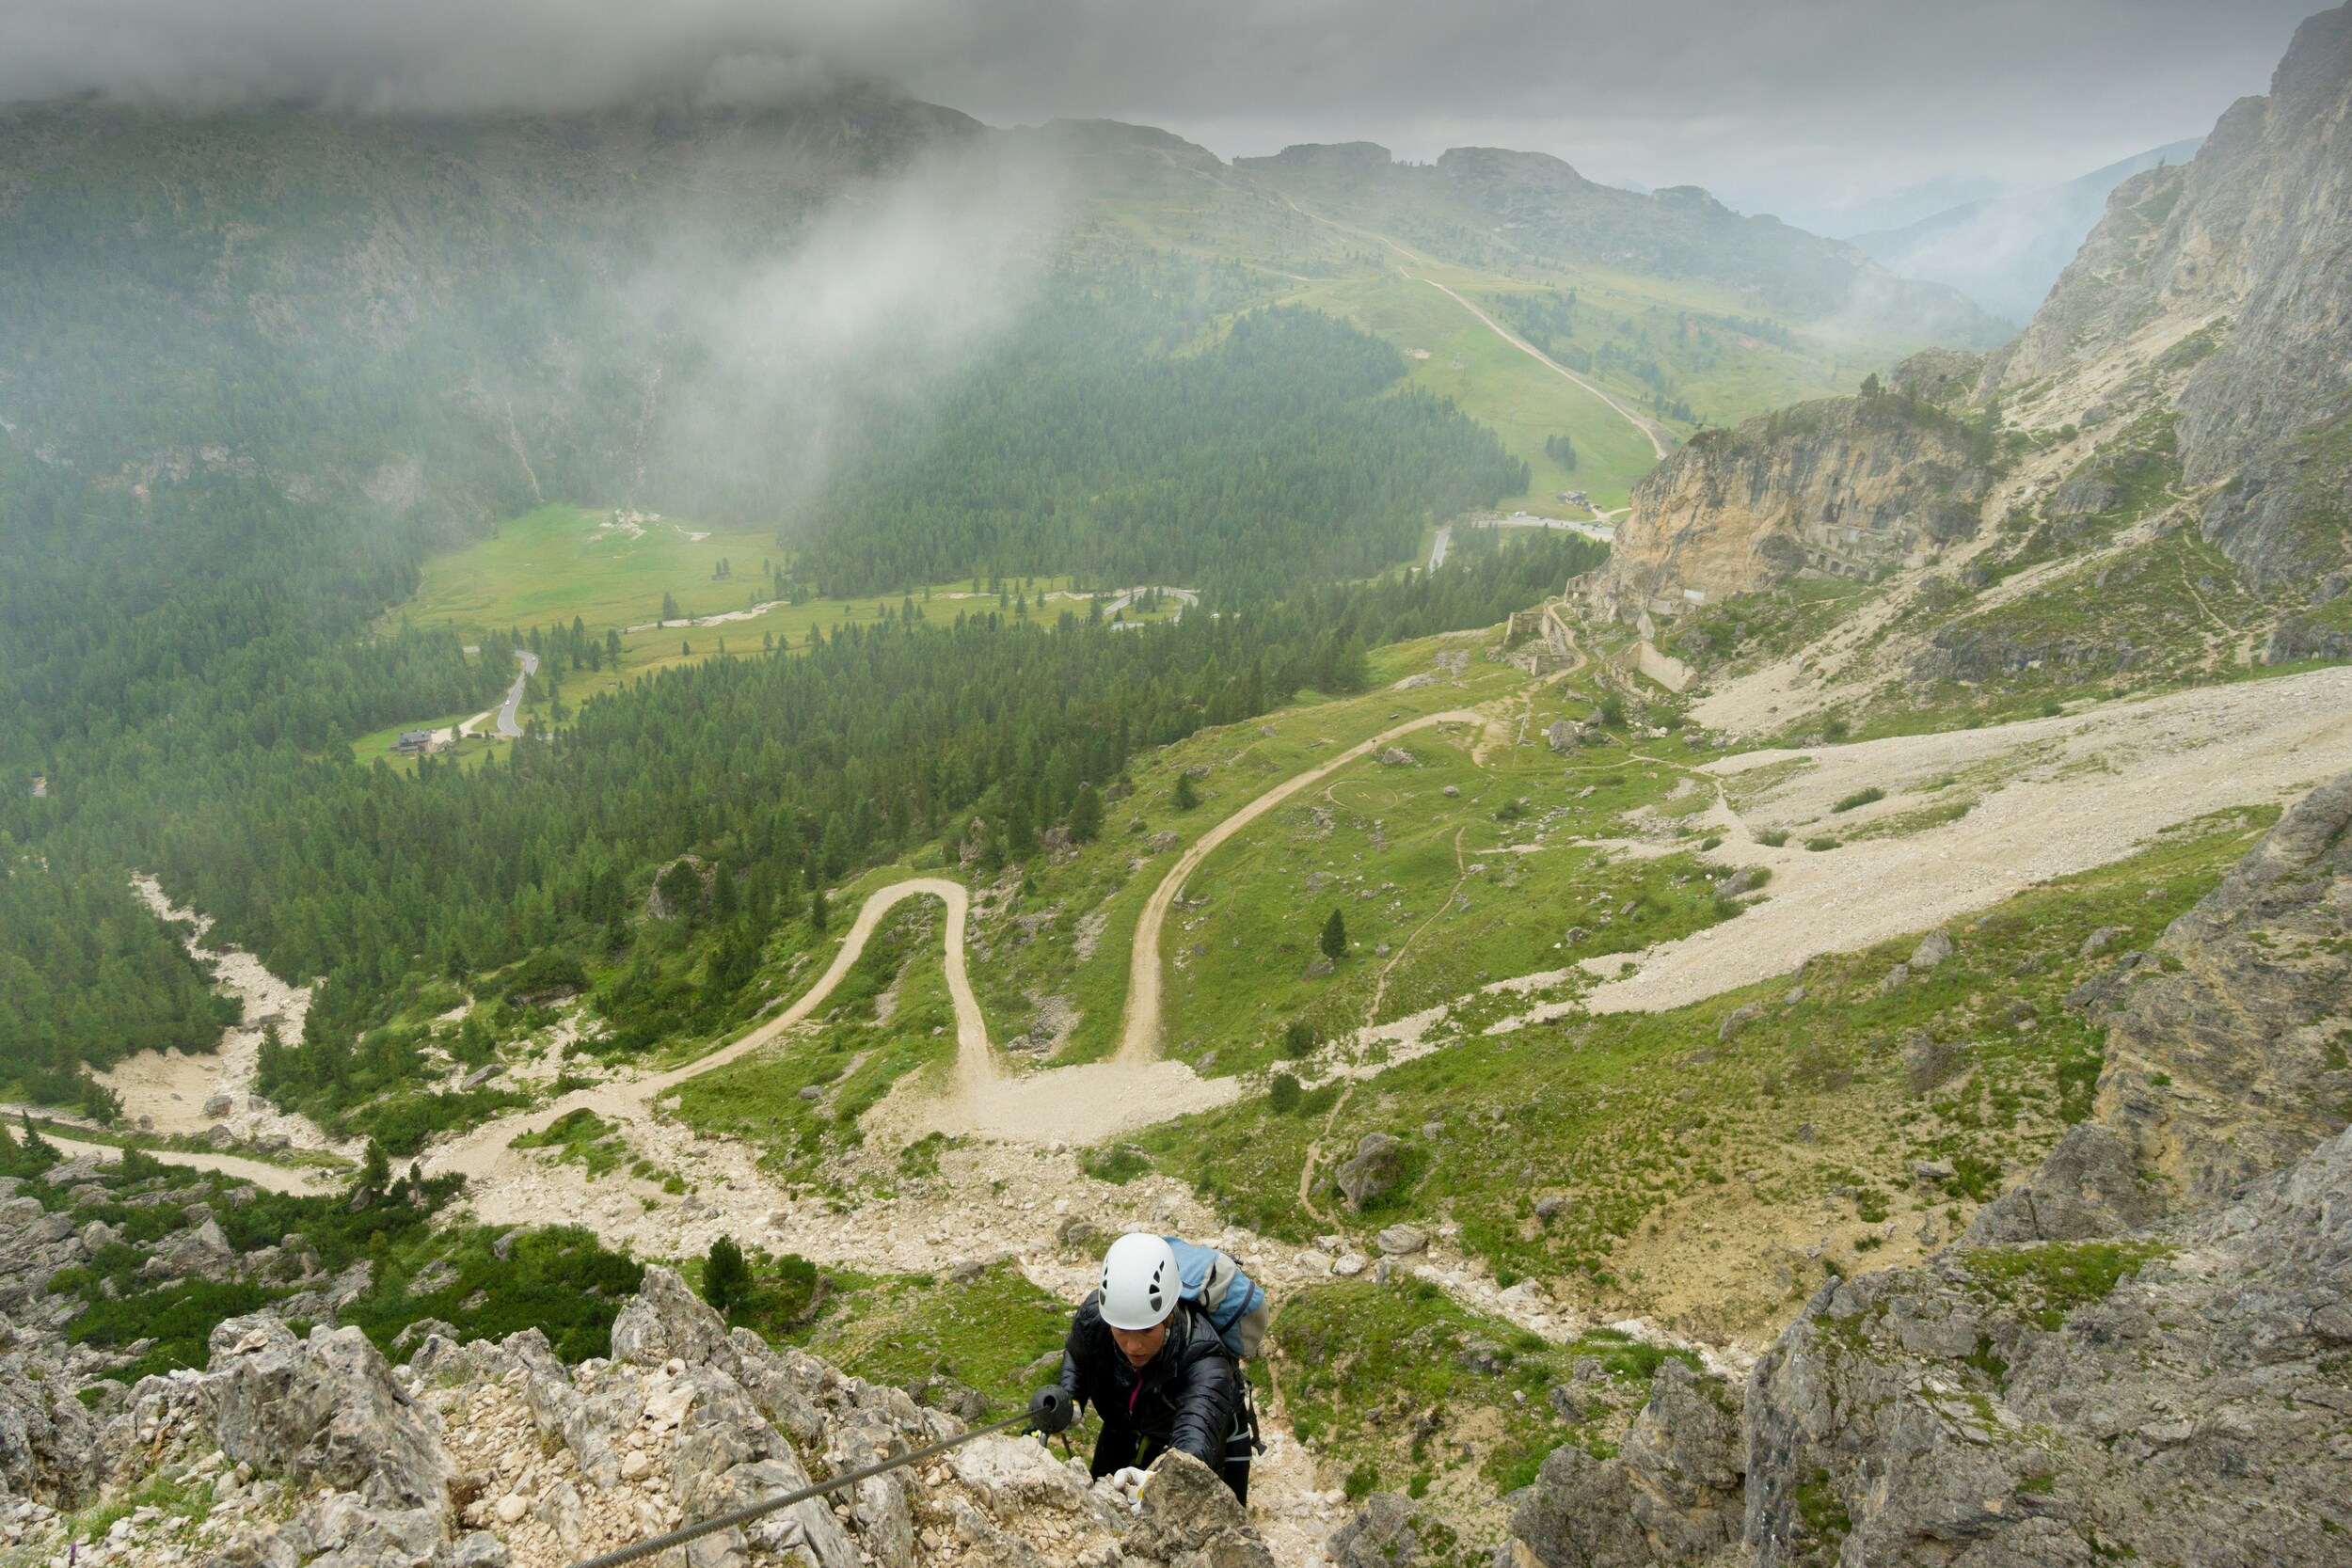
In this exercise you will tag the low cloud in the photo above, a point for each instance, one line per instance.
(1803, 107)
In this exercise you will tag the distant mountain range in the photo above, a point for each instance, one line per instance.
(2004, 252)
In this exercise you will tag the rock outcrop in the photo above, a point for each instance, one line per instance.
(2226, 1056)
(497, 1455)
(2144, 1354)
(1672, 1493)
(2232, 265)
(2175, 1397)
(1841, 488)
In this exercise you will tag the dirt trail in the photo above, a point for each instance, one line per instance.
(1661, 439)
(480, 1153)
(1140, 1036)
(276, 1178)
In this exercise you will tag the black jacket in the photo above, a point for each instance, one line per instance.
(1188, 1397)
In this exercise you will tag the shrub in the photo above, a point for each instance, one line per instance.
(726, 1278)
(1860, 797)
(1299, 1038)
(1282, 1094)
(1774, 837)
(1118, 1165)
(1819, 844)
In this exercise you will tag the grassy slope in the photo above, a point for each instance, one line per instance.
(546, 568)
(890, 1016)
(1709, 1179)
(1368, 260)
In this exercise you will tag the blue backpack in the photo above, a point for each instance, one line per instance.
(1234, 1304)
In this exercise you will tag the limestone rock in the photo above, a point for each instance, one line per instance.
(1673, 1494)
(200, 1253)
(1933, 949)
(1379, 1160)
(324, 1408)
(1191, 1520)
(665, 1321)
(1381, 1535)
(1928, 1061)
(2156, 1396)
(49, 1446)
(1401, 1240)
(1838, 487)
(2240, 1027)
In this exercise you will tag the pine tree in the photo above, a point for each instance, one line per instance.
(1186, 796)
(1086, 816)
(726, 1278)
(1334, 940)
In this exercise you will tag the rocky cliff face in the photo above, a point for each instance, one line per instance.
(291, 1451)
(1842, 487)
(2144, 1353)
(2247, 243)
(2226, 1044)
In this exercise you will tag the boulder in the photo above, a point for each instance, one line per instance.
(1401, 1240)
(48, 1446)
(200, 1253)
(1933, 949)
(1379, 1162)
(1928, 1061)
(666, 1321)
(1190, 1517)
(1381, 1535)
(327, 1410)
(2101, 940)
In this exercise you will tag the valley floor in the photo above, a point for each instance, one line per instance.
(1960, 822)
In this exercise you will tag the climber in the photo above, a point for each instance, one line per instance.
(1162, 1373)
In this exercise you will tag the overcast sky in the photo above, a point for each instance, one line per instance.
(1838, 114)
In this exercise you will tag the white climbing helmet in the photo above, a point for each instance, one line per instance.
(1139, 1282)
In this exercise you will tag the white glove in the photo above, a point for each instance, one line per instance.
(1129, 1484)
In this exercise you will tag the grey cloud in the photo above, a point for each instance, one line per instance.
(1807, 105)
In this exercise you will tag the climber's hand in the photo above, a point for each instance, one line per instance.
(1129, 1484)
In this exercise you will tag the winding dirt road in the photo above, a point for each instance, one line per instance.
(1077, 1104)
(480, 1151)
(1140, 1036)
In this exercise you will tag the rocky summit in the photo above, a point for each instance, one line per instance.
(293, 1449)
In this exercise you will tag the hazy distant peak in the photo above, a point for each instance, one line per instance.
(1100, 135)
(1488, 162)
(1352, 157)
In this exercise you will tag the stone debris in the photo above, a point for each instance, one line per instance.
(315, 1451)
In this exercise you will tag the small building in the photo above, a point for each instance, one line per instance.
(414, 742)
(40, 786)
